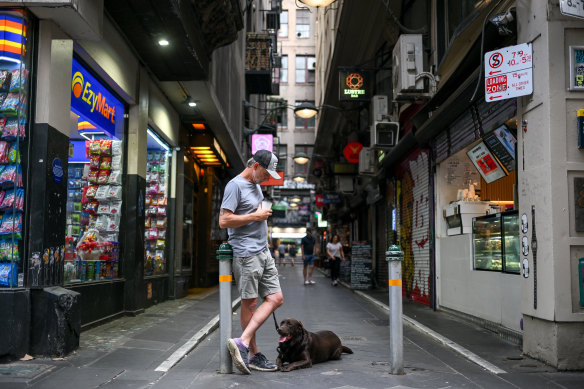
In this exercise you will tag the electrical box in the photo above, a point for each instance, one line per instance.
(367, 163)
(407, 63)
(384, 134)
(344, 184)
(380, 108)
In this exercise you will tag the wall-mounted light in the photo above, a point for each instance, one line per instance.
(301, 158)
(163, 42)
(293, 205)
(299, 178)
(207, 151)
(296, 199)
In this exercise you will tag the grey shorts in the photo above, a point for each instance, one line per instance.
(256, 276)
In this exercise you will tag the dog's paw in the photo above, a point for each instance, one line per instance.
(285, 368)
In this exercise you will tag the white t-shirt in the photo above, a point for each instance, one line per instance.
(335, 249)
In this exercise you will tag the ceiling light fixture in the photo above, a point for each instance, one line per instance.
(163, 42)
(191, 102)
(305, 110)
(317, 3)
(301, 158)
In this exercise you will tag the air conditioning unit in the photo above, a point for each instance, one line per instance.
(380, 108)
(384, 134)
(407, 63)
(312, 64)
(367, 162)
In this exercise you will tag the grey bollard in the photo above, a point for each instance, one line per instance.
(224, 256)
(394, 256)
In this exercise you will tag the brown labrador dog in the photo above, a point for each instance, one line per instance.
(301, 348)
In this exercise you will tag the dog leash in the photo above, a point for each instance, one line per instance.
(275, 321)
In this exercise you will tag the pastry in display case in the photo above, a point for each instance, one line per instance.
(496, 242)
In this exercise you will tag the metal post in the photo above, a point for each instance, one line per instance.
(395, 256)
(224, 256)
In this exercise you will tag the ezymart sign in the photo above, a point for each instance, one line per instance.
(508, 72)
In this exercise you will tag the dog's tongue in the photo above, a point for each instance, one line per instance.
(283, 339)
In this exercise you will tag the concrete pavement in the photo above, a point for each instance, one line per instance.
(127, 352)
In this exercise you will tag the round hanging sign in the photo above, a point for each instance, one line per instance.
(352, 151)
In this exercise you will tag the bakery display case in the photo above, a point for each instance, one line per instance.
(496, 242)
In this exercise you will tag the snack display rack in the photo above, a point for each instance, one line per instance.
(93, 213)
(156, 218)
(13, 124)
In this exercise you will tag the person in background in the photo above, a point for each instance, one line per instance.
(282, 253)
(307, 248)
(292, 252)
(335, 252)
(254, 269)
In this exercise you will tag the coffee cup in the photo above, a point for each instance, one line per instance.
(266, 204)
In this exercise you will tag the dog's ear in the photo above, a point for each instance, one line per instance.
(301, 325)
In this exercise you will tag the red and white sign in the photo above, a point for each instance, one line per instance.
(508, 72)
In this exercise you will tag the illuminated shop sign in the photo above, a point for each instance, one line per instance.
(354, 85)
(91, 100)
(12, 38)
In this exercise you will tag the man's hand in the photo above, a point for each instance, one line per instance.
(263, 214)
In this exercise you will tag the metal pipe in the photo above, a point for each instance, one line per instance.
(395, 256)
(224, 256)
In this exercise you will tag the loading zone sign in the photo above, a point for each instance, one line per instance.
(508, 72)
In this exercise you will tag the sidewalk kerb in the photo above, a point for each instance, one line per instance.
(442, 339)
(193, 342)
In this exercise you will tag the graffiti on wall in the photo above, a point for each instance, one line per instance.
(415, 227)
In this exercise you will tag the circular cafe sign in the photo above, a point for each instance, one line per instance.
(352, 151)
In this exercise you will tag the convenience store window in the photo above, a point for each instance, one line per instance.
(157, 190)
(15, 62)
(94, 184)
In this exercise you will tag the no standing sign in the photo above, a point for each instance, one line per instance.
(508, 72)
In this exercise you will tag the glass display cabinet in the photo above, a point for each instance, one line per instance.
(496, 242)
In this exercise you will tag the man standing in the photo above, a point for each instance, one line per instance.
(307, 246)
(282, 253)
(253, 266)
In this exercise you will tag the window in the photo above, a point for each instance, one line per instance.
(451, 16)
(277, 116)
(304, 123)
(299, 169)
(284, 70)
(305, 66)
(282, 153)
(302, 23)
(283, 31)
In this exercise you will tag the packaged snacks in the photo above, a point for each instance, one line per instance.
(106, 163)
(116, 147)
(102, 192)
(115, 192)
(115, 177)
(116, 208)
(114, 223)
(92, 207)
(161, 222)
(105, 146)
(91, 191)
(92, 176)
(18, 80)
(11, 176)
(2, 120)
(13, 128)
(11, 223)
(93, 147)
(94, 162)
(103, 209)
(152, 233)
(5, 78)
(117, 162)
(103, 176)
(102, 222)
(8, 274)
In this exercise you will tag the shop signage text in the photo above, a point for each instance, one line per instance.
(352, 151)
(508, 72)
(353, 85)
(91, 100)
(262, 142)
(573, 8)
(486, 163)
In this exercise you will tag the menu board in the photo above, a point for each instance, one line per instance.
(486, 163)
(361, 265)
(502, 143)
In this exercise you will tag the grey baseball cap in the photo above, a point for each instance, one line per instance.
(268, 161)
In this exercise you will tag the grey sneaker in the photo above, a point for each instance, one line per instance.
(239, 355)
(261, 363)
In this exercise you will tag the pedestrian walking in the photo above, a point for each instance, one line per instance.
(292, 252)
(253, 267)
(282, 254)
(335, 252)
(307, 249)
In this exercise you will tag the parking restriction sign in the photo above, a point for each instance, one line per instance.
(508, 72)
